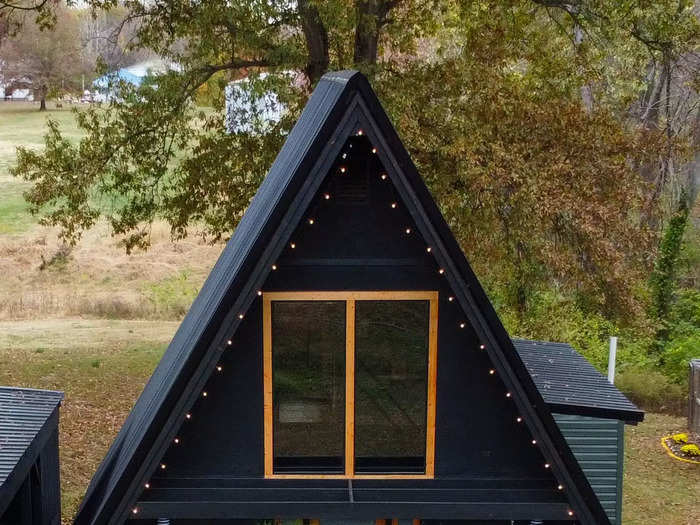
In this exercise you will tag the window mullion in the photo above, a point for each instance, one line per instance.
(350, 387)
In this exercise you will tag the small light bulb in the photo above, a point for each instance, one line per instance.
(229, 342)
(176, 441)
(343, 169)
(345, 155)
(204, 394)
(360, 132)
(240, 316)
(274, 266)
(492, 371)
(219, 368)
(134, 510)
(534, 442)
(327, 196)
(570, 513)
(292, 245)
(560, 487)
(441, 271)
(383, 176)
(162, 466)
(311, 221)
(259, 293)
(393, 205)
(408, 231)
(507, 394)
(189, 416)
(374, 150)
(546, 465)
(462, 325)
(428, 249)
(482, 347)
(450, 298)
(519, 419)
(147, 485)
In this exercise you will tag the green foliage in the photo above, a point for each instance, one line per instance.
(652, 390)
(173, 296)
(663, 279)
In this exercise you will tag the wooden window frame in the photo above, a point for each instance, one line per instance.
(350, 298)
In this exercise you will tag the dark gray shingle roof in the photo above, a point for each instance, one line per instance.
(570, 384)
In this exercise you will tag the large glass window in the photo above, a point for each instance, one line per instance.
(308, 378)
(349, 383)
(391, 385)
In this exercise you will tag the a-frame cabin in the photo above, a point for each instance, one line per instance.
(341, 363)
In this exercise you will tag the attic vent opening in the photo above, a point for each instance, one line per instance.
(352, 188)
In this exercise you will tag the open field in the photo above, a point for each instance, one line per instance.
(102, 366)
(42, 278)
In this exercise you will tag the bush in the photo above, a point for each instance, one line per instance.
(653, 391)
(691, 450)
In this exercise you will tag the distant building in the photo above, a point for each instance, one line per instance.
(134, 74)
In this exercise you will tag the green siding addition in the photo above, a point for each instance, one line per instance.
(598, 445)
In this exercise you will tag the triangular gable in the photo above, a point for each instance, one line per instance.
(342, 104)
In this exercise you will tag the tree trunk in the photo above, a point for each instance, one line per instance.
(42, 105)
(316, 41)
(371, 16)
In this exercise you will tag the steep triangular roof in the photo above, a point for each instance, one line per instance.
(341, 104)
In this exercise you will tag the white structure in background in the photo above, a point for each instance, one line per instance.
(133, 74)
(247, 110)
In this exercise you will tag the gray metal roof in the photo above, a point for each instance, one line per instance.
(23, 413)
(570, 384)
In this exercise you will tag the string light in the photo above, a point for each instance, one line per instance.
(162, 466)
(482, 347)
(534, 442)
(462, 325)
(240, 316)
(188, 416)
(345, 155)
(508, 394)
(134, 510)
(519, 420)
(408, 231)
(428, 249)
(311, 221)
(441, 271)
(204, 394)
(492, 371)
(147, 485)
(570, 513)
(343, 169)
(360, 132)
(393, 205)
(274, 266)
(383, 176)
(259, 293)
(176, 441)
(374, 150)
(229, 342)
(292, 245)
(546, 465)
(327, 196)
(560, 487)
(219, 368)
(450, 298)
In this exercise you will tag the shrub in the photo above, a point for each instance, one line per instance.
(680, 438)
(652, 390)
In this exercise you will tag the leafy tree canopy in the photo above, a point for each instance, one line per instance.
(519, 114)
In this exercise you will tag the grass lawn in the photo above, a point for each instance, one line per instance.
(21, 123)
(102, 366)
